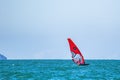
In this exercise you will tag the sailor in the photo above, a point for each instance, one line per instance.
(77, 59)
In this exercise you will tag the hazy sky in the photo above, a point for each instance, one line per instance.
(38, 29)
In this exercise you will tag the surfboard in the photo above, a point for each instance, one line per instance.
(77, 56)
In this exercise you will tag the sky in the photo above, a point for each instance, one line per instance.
(38, 29)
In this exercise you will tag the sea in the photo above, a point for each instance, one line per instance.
(59, 70)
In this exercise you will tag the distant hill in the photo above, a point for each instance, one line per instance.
(2, 57)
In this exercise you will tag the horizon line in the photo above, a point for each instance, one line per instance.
(61, 59)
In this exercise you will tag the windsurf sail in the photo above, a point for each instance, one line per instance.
(77, 56)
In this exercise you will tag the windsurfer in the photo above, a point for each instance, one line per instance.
(77, 56)
(77, 59)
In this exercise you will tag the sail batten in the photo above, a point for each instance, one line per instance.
(77, 56)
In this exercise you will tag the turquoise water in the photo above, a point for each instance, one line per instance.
(59, 70)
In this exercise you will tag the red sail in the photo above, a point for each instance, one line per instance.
(76, 52)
